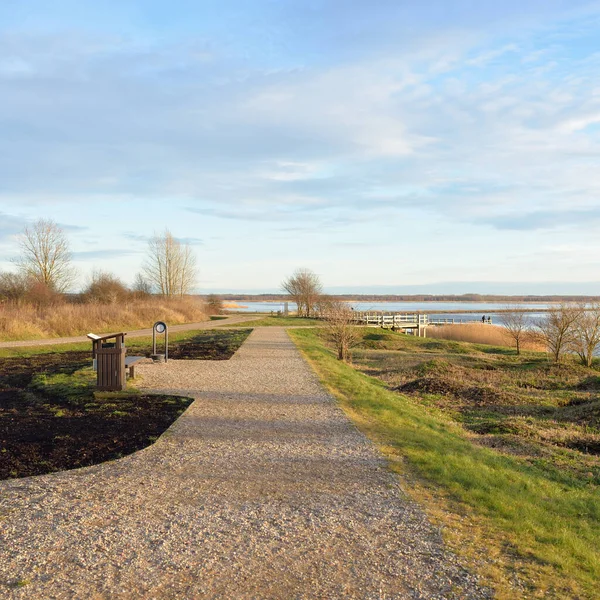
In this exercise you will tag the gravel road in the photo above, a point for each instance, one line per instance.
(262, 489)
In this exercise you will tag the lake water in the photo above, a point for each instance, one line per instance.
(433, 309)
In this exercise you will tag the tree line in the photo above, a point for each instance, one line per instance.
(44, 269)
(566, 329)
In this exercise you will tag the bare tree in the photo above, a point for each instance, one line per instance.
(516, 325)
(557, 329)
(339, 319)
(305, 289)
(291, 286)
(170, 266)
(586, 338)
(141, 287)
(45, 256)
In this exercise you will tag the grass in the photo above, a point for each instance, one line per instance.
(137, 345)
(278, 322)
(531, 529)
(68, 319)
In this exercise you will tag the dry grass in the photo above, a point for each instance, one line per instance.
(478, 333)
(67, 319)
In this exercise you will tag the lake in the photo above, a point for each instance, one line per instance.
(433, 309)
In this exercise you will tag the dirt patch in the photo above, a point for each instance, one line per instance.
(218, 345)
(431, 385)
(206, 345)
(474, 395)
(39, 435)
(45, 428)
(589, 384)
(585, 445)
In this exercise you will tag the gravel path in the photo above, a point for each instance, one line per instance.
(130, 334)
(262, 489)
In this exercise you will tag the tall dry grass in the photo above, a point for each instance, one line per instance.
(66, 319)
(478, 333)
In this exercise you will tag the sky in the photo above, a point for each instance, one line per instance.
(388, 145)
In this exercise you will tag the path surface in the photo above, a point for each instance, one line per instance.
(262, 489)
(130, 334)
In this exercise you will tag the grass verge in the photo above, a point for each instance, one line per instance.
(205, 342)
(530, 531)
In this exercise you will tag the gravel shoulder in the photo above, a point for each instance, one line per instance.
(262, 489)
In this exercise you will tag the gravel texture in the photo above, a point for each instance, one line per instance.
(262, 489)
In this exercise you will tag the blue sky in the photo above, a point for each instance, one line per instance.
(381, 143)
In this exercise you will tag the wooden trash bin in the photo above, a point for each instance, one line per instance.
(109, 360)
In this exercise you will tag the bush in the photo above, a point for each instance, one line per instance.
(214, 304)
(13, 287)
(105, 288)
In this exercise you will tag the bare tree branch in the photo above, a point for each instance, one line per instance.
(45, 256)
(339, 319)
(557, 329)
(516, 325)
(586, 338)
(170, 266)
(305, 289)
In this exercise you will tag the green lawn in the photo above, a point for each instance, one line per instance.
(510, 517)
(134, 345)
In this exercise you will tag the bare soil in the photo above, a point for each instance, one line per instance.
(55, 428)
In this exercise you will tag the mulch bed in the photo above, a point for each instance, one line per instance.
(41, 433)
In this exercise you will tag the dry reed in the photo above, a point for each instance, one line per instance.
(478, 333)
(66, 319)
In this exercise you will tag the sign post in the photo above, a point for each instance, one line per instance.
(160, 327)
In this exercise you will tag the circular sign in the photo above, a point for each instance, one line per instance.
(160, 327)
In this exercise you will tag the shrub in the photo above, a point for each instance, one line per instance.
(105, 288)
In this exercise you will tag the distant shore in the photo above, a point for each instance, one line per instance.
(419, 298)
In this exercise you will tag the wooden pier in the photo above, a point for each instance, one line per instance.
(416, 323)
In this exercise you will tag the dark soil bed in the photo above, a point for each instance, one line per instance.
(40, 435)
(59, 427)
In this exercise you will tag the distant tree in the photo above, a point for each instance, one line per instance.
(292, 287)
(141, 287)
(586, 335)
(340, 327)
(214, 304)
(45, 256)
(305, 289)
(105, 288)
(14, 287)
(516, 325)
(557, 329)
(170, 266)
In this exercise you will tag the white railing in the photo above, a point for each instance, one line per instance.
(404, 319)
